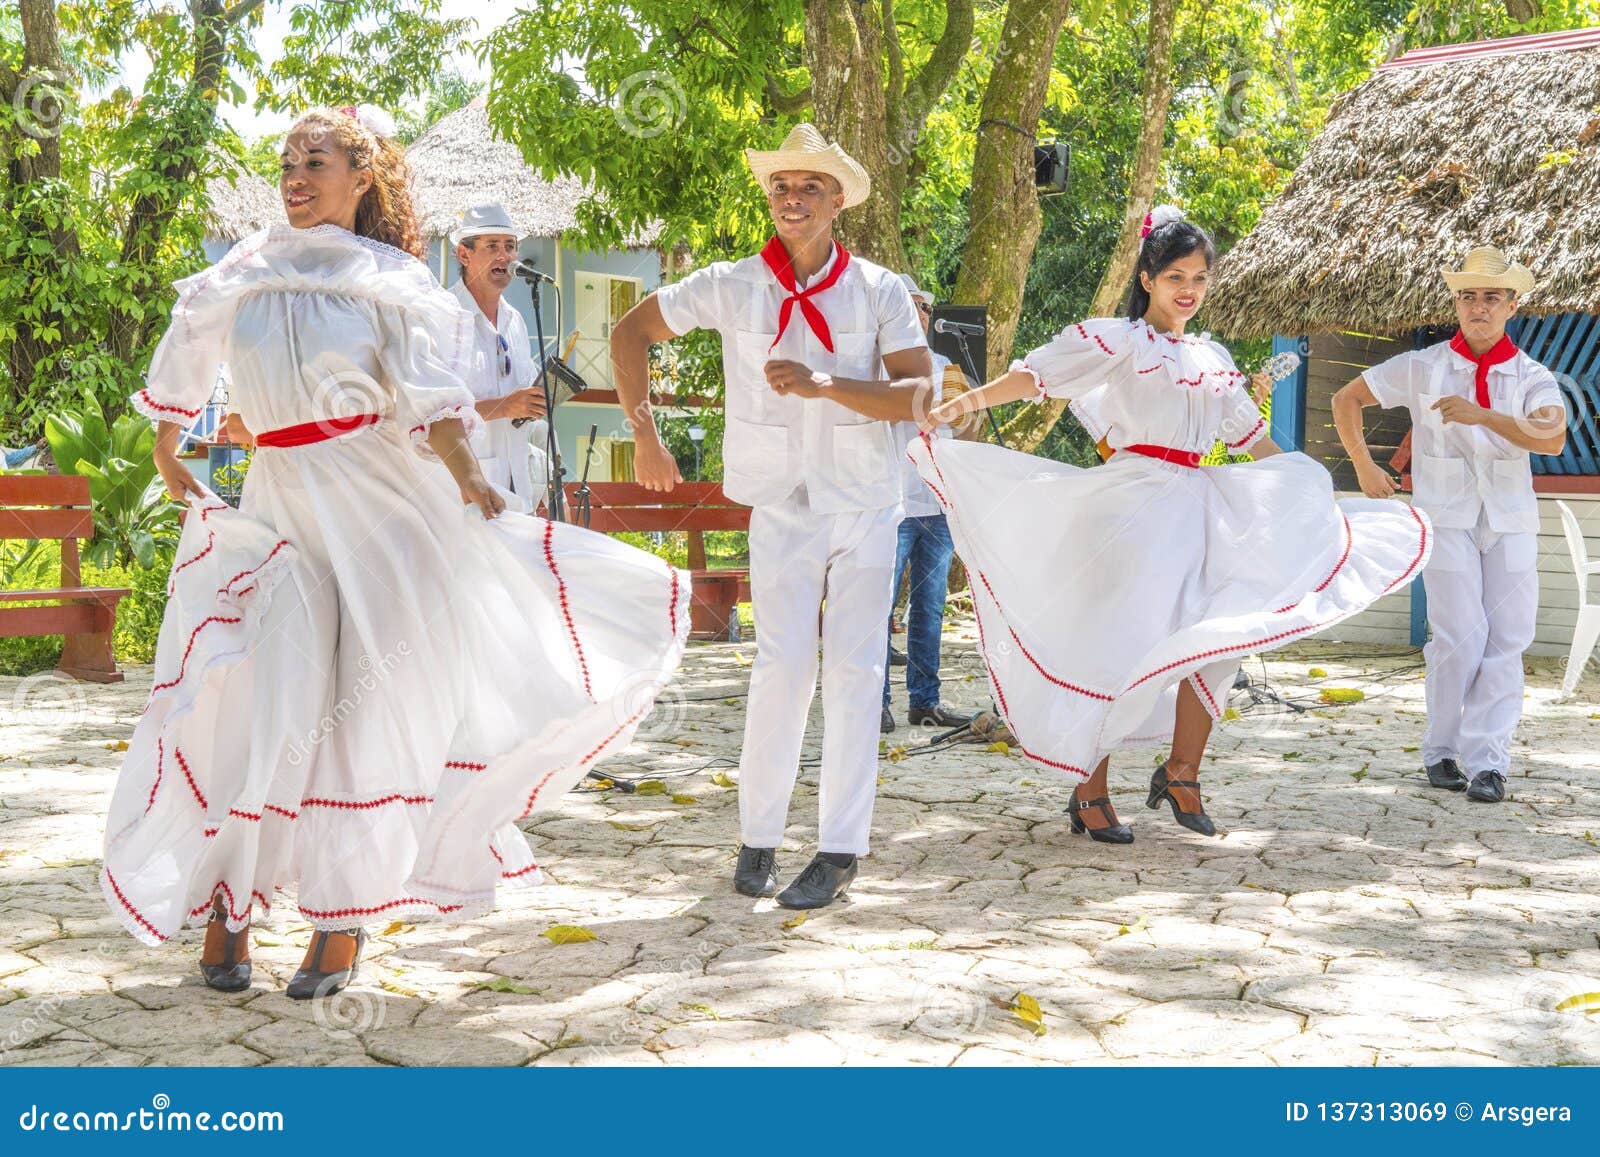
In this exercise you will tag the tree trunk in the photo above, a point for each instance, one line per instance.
(173, 162)
(1004, 208)
(862, 98)
(41, 114)
(1029, 429)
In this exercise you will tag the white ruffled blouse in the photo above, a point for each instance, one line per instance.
(1133, 385)
(313, 324)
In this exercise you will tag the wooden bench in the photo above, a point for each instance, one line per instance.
(57, 506)
(693, 507)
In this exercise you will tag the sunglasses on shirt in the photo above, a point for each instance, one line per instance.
(505, 352)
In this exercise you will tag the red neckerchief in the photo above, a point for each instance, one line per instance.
(1502, 351)
(777, 259)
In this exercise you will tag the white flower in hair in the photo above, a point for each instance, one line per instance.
(376, 119)
(1159, 216)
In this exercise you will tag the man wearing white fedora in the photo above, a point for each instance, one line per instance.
(1479, 406)
(820, 351)
(501, 373)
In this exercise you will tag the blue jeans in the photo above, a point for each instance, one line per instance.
(925, 548)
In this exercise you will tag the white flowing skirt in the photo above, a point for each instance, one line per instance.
(1098, 592)
(361, 685)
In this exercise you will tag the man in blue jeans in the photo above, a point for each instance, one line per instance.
(925, 550)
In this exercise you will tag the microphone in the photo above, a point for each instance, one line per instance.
(960, 328)
(529, 272)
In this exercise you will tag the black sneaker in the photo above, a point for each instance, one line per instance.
(938, 716)
(1487, 787)
(1447, 774)
(897, 657)
(886, 724)
(757, 871)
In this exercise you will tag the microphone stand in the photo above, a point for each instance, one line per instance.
(585, 506)
(555, 498)
(971, 370)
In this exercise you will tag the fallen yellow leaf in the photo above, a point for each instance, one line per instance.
(684, 799)
(1583, 1002)
(723, 779)
(399, 989)
(119, 745)
(1230, 715)
(795, 921)
(895, 754)
(743, 662)
(567, 934)
(1027, 1010)
(1000, 747)
(396, 928)
(1317, 673)
(601, 785)
(1342, 695)
(650, 787)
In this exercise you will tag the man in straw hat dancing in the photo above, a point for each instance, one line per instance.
(1479, 406)
(820, 351)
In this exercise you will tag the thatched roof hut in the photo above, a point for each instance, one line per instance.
(240, 202)
(1496, 143)
(460, 162)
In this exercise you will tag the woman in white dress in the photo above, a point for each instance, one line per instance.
(1114, 604)
(367, 674)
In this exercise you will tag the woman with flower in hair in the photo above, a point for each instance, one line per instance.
(1115, 604)
(368, 673)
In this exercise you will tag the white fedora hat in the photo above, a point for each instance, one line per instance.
(480, 220)
(805, 150)
(1487, 268)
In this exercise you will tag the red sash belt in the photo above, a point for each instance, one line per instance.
(307, 433)
(1166, 454)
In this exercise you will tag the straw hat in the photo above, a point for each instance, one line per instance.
(1487, 268)
(481, 220)
(805, 150)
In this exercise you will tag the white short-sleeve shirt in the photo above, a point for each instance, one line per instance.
(773, 444)
(1459, 471)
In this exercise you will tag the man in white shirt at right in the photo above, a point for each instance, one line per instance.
(1479, 406)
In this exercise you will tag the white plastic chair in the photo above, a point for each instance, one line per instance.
(1587, 631)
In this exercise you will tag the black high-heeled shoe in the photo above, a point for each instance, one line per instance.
(1114, 832)
(1194, 821)
(233, 973)
(312, 981)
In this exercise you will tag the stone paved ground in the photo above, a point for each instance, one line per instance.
(1348, 915)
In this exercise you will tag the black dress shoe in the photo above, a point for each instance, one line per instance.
(1194, 821)
(313, 981)
(897, 657)
(1113, 833)
(232, 974)
(819, 885)
(757, 871)
(886, 723)
(1447, 774)
(1487, 787)
(938, 716)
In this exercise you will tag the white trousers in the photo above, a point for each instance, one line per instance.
(797, 556)
(1483, 600)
